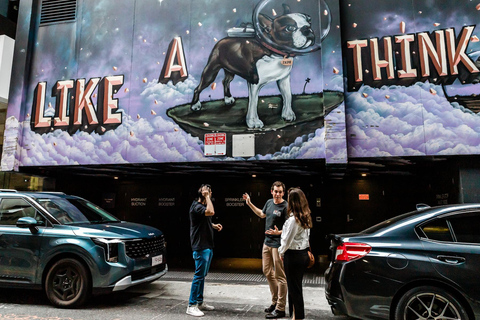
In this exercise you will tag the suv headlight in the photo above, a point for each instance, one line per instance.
(110, 246)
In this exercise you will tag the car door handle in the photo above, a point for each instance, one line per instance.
(451, 259)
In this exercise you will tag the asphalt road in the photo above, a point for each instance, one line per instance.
(162, 299)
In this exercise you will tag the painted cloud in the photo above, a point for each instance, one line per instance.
(409, 121)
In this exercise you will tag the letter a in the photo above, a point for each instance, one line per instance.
(174, 67)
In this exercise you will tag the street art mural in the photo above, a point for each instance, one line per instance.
(208, 80)
(412, 77)
(171, 81)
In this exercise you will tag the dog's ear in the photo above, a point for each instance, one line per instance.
(286, 8)
(265, 23)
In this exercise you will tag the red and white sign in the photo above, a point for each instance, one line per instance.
(215, 144)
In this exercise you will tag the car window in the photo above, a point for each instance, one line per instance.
(76, 211)
(465, 227)
(437, 230)
(13, 209)
(388, 223)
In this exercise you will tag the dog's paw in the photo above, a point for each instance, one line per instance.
(197, 106)
(254, 123)
(288, 115)
(229, 101)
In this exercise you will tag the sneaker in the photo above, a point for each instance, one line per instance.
(205, 307)
(193, 311)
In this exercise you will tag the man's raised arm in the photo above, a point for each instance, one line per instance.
(255, 210)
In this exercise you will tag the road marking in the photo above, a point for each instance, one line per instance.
(250, 308)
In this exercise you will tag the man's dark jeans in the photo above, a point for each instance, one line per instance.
(202, 258)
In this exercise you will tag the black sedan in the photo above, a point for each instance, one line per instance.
(421, 265)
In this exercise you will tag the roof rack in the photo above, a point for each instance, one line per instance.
(53, 192)
(8, 190)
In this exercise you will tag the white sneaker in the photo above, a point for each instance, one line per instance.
(193, 311)
(205, 307)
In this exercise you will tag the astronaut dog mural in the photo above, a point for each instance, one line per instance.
(123, 81)
(133, 88)
(259, 63)
(264, 50)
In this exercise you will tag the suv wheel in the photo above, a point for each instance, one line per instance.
(67, 283)
(429, 302)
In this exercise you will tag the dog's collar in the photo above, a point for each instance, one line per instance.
(269, 47)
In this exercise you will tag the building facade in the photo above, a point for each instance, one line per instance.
(369, 106)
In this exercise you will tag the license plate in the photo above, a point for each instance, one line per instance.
(157, 260)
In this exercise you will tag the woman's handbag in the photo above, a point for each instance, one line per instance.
(311, 258)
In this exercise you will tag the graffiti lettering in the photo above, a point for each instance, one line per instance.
(174, 66)
(77, 98)
(438, 57)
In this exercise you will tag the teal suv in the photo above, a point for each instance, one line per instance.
(71, 248)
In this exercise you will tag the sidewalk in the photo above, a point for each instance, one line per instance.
(237, 288)
(242, 293)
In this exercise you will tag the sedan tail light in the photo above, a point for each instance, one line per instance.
(350, 251)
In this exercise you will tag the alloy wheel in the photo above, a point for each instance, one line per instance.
(431, 306)
(66, 283)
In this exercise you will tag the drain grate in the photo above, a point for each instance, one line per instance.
(308, 280)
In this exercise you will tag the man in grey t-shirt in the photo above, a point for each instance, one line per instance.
(274, 212)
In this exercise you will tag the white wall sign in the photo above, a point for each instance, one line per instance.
(138, 202)
(243, 145)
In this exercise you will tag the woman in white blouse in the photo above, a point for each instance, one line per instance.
(294, 247)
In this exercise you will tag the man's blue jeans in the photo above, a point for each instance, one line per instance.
(202, 258)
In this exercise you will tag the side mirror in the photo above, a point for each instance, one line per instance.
(28, 222)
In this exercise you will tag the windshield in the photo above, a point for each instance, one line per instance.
(76, 211)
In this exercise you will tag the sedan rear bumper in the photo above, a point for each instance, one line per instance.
(352, 289)
(337, 306)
